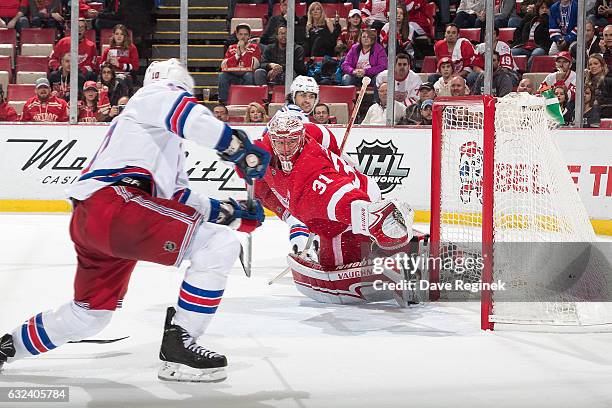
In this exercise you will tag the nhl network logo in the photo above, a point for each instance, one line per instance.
(381, 161)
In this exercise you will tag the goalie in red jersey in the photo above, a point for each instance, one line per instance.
(336, 202)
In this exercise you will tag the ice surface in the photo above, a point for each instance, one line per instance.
(285, 350)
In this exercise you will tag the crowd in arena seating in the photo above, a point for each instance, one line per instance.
(440, 48)
(35, 58)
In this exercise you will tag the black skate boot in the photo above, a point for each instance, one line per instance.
(7, 349)
(184, 360)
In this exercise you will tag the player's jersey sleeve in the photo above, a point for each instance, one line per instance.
(323, 136)
(172, 108)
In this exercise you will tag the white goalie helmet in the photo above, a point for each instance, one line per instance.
(304, 83)
(170, 70)
(286, 132)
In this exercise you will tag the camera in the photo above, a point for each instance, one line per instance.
(120, 108)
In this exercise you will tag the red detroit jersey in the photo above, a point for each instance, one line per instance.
(318, 191)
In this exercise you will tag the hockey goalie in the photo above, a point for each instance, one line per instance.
(340, 205)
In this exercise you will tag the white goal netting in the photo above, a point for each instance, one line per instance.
(544, 246)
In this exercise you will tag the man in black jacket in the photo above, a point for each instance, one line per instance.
(502, 80)
(269, 34)
(273, 63)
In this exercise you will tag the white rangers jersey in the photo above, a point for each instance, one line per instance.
(146, 141)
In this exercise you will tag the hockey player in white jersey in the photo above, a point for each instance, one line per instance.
(302, 98)
(132, 202)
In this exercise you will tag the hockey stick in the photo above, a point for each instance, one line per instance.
(246, 261)
(364, 85)
(99, 341)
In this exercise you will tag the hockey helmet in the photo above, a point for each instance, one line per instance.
(304, 83)
(171, 70)
(286, 132)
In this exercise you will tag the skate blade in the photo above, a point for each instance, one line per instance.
(182, 373)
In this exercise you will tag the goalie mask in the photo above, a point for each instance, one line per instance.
(170, 70)
(286, 134)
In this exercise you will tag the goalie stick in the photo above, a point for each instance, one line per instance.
(364, 86)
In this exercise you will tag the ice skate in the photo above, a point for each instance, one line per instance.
(184, 360)
(7, 349)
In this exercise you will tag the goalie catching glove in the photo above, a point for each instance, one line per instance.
(236, 214)
(388, 222)
(251, 161)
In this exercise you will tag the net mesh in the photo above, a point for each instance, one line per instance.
(542, 242)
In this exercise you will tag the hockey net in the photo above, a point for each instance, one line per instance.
(503, 197)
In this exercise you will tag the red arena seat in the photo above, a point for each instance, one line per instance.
(245, 94)
(278, 94)
(8, 36)
(20, 92)
(300, 9)
(543, 63)
(251, 10)
(606, 123)
(91, 35)
(33, 64)
(37, 36)
(521, 62)
(5, 65)
(506, 34)
(472, 34)
(429, 64)
(338, 94)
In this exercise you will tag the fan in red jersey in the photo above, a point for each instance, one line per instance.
(336, 202)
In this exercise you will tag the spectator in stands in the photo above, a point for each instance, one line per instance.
(220, 112)
(562, 25)
(94, 105)
(240, 62)
(43, 13)
(374, 13)
(532, 38)
(60, 79)
(256, 113)
(606, 46)
(366, 58)
(138, 16)
(598, 79)
(426, 112)
(525, 86)
(44, 106)
(502, 80)
(601, 13)
(321, 115)
(413, 112)
(350, 35)
(273, 62)
(122, 54)
(403, 34)
(592, 114)
(377, 113)
(7, 113)
(458, 86)
(116, 110)
(470, 14)
(505, 14)
(564, 76)
(268, 37)
(321, 35)
(109, 17)
(12, 16)
(115, 87)
(505, 59)
(591, 41)
(86, 11)
(420, 22)
(566, 105)
(407, 82)
(88, 53)
(445, 69)
(459, 50)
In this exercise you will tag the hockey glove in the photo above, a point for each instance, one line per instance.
(388, 222)
(236, 215)
(251, 160)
